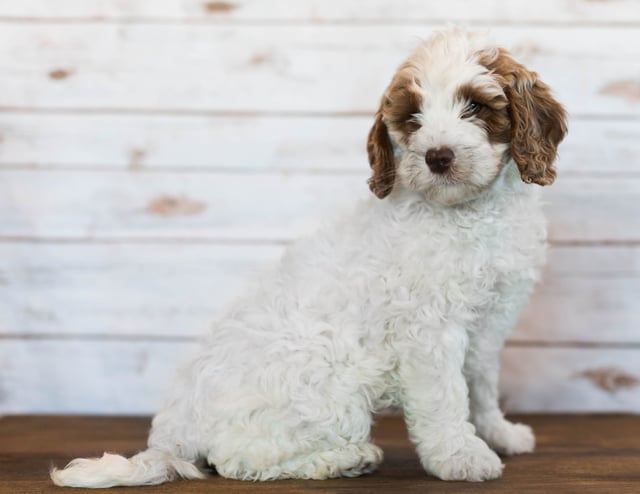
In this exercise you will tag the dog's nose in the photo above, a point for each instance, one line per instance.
(439, 160)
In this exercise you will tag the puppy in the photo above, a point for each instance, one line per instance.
(406, 301)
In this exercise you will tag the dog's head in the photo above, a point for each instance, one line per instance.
(454, 114)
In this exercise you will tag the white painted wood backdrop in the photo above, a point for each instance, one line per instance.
(155, 154)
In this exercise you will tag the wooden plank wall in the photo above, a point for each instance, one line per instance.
(155, 154)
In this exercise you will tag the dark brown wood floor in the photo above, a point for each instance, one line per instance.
(575, 454)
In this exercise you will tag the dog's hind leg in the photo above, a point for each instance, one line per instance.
(331, 439)
(350, 460)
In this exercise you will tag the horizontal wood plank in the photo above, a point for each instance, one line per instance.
(277, 143)
(594, 210)
(170, 205)
(589, 454)
(569, 379)
(218, 68)
(123, 205)
(82, 377)
(544, 11)
(140, 141)
(588, 295)
(174, 290)
(108, 377)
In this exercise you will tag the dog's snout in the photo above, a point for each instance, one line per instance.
(439, 160)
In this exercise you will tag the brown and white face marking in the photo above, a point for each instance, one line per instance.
(454, 114)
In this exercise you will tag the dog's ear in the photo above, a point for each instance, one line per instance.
(380, 151)
(538, 121)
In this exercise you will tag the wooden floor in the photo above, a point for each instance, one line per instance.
(575, 454)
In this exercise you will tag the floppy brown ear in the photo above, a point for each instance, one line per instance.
(380, 151)
(538, 121)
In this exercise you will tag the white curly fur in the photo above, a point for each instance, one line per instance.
(405, 301)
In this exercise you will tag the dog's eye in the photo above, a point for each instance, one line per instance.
(471, 109)
(413, 125)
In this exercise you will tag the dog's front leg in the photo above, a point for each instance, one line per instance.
(436, 407)
(482, 367)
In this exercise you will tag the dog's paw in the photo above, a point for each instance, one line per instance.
(475, 462)
(508, 438)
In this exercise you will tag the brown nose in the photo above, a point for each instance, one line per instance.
(439, 160)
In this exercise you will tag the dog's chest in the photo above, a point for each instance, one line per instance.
(456, 259)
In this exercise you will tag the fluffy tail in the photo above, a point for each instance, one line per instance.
(149, 467)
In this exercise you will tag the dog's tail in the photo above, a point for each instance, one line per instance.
(149, 467)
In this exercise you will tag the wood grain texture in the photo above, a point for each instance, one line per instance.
(328, 144)
(325, 69)
(104, 204)
(123, 289)
(520, 11)
(100, 204)
(559, 379)
(88, 376)
(154, 155)
(590, 454)
(132, 376)
(588, 295)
